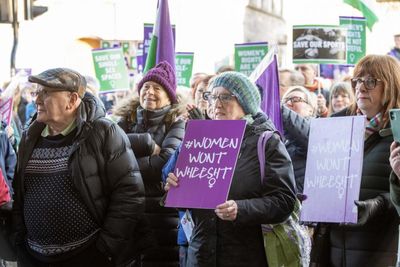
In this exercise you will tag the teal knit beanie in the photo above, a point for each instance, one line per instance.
(239, 85)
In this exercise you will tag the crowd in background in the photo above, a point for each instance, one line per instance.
(122, 167)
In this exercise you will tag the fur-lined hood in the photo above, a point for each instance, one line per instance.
(127, 109)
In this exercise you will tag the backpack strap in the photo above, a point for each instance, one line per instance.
(261, 144)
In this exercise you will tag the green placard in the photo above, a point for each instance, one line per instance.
(356, 38)
(111, 69)
(184, 67)
(249, 55)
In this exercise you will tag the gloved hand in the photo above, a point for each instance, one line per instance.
(301, 197)
(369, 208)
(196, 114)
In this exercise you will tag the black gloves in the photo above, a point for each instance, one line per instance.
(196, 114)
(369, 208)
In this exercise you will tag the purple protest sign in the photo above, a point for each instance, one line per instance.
(147, 34)
(333, 170)
(140, 58)
(206, 163)
(5, 110)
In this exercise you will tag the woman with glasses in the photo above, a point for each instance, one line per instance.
(298, 107)
(373, 240)
(231, 234)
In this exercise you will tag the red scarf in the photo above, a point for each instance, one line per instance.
(312, 87)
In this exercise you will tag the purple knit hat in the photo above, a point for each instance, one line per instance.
(164, 75)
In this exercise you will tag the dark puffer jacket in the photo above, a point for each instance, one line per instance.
(375, 243)
(145, 129)
(297, 130)
(216, 242)
(105, 173)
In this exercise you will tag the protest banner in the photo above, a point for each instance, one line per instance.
(184, 67)
(6, 109)
(356, 38)
(321, 44)
(333, 169)
(140, 58)
(110, 69)
(130, 49)
(206, 163)
(147, 35)
(249, 55)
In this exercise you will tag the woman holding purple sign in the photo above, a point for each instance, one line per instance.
(373, 240)
(231, 234)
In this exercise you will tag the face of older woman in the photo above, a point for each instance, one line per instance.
(369, 94)
(224, 105)
(297, 102)
(153, 96)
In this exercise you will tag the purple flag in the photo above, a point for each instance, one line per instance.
(266, 76)
(162, 46)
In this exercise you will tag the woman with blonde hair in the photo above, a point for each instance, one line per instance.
(341, 96)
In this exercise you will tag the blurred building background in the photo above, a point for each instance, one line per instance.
(65, 34)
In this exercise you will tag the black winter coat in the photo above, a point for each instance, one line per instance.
(297, 130)
(220, 243)
(375, 243)
(105, 173)
(145, 129)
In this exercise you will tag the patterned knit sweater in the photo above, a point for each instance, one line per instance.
(56, 218)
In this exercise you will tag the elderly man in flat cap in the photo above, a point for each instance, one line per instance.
(79, 194)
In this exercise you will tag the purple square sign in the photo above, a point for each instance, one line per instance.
(333, 170)
(206, 163)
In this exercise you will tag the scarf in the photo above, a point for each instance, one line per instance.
(312, 87)
(372, 125)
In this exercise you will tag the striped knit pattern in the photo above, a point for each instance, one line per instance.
(372, 125)
(55, 216)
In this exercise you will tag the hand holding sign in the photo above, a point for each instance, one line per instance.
(395, 158)
(205, 164)
(227, 211)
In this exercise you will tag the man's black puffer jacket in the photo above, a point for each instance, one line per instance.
(105, 173)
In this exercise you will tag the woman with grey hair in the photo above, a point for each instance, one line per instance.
(231, 234)
(298, 106)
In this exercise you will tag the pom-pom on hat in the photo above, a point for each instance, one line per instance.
(164, 75)
(244, 90)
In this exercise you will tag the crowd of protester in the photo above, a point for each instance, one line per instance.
(93, 169)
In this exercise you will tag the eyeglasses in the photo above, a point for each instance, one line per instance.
(44, 93)
(295, 99)
(40, 92)
(369, 83)
(224, 98)
(205, 95)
